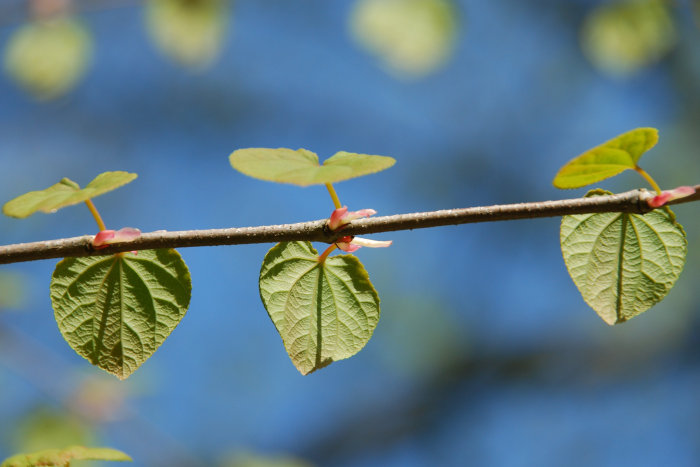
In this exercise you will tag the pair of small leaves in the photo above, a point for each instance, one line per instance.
(64, 457)
(115, 311)
(65, 193)
(607, 160)
(622, 263)
(301, 167)
(324, 311)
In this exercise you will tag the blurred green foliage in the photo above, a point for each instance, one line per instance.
(622, 38)
(190, 32)
(44, 427)
(410, 37)
(11, 290)
(48, 57)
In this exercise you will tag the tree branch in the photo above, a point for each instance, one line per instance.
(634, 201)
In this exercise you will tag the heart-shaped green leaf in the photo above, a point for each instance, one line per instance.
(65, 193)
(117, 310)
(64, 457)
(323, 311)
(607, 160)
(623, 263)
(301, 167)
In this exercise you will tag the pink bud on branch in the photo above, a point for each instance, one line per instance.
(341, 217)
(108, 237)
(669, 195)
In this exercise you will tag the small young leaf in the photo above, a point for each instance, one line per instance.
(301, 167)
(117, 310)
(607, 160)
(623, 263)
(64, 457)
(323, 311)
(65, 193)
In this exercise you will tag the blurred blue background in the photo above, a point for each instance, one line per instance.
(485, 353)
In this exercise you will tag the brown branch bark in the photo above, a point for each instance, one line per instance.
(634, 201)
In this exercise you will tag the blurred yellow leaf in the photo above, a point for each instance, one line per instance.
(48, 57)
(411, 37)
(190, 32)
(44, 427)
(64, 457)
(620, 39)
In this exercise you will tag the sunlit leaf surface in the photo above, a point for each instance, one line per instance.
(622, 263)
(65, 193)
(324, 312)
(610, 158)
(301, 167)
(117, 310)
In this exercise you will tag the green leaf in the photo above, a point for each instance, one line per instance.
(64, 457)
(47, 58)
(301, 167)
(189, 32)
(65, 193)
(323, 311)
(117, 310)
(608, 159)
(623, 263)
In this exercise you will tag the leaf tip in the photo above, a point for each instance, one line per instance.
(611, 320)
(322, 364)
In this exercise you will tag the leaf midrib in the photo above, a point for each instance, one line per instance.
(620, 269)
